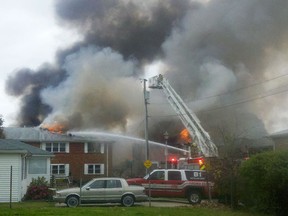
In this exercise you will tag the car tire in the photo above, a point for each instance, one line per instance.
(127, 201)
(72, 201)
(194, 197)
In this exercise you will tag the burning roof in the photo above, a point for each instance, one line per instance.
(36, 134)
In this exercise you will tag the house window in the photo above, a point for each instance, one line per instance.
(38, 165)
(56, 147)
(93, 147)
(92, 169)
(60, 169)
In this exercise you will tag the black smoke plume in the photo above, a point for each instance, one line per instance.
(133, 28)
(116, 34)
(213, 53)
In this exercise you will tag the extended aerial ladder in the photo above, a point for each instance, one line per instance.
(199, 136)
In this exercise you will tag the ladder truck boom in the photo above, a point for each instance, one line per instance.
(188, 118)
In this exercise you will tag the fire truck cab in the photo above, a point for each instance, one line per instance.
(183, 183)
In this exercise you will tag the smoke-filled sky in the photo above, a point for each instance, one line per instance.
(29, 38)
(226, 58)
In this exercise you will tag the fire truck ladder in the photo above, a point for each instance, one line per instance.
(199, 136)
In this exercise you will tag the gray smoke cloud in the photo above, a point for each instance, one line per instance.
(136, 29)
(95, 82)
(97, 91)
(28, 84)
(225, 45)
(208, 48)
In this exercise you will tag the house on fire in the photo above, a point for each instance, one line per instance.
(19, 163)
(87, 155)
(74, 156)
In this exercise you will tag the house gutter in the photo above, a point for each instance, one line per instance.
(15, 152)
(42, 155)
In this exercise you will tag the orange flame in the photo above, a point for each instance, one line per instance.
(54, 127)
(184, 136)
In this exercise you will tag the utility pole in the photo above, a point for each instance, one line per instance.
(146, 97)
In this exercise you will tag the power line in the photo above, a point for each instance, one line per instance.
(232, 91)
(229, 105)
(243, 88)
(246, 101)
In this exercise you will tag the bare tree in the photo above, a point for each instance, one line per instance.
(232, 150)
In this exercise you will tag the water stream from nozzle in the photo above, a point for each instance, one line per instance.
(113, 136)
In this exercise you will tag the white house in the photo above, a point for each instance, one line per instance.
(19, 163)
(280, 140)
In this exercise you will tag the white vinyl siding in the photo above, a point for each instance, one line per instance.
(93, 169)
(6, 161)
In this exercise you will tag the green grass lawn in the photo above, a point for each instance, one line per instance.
(49, 208)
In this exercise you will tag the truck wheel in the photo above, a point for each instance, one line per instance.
(72, 201)
(194, 197)
(127, 201)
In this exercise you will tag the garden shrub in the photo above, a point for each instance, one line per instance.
(38, 190)
(265, 182)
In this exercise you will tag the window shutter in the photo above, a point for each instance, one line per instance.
(102, 148)
(67, 149)
(102, 168)
(67, 169)
(85, 169)
(86, 147)
(43, 146)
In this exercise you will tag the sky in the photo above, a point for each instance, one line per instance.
(30, 36)
(79, 63)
